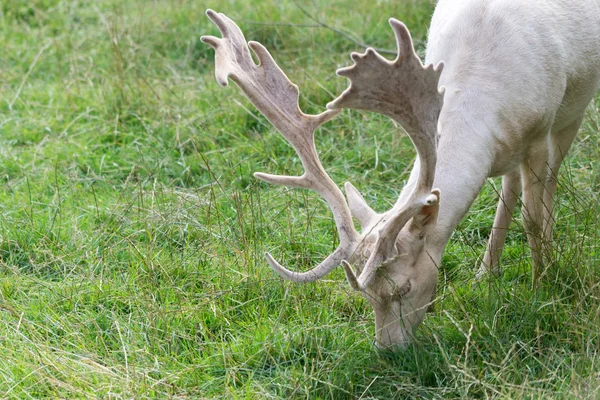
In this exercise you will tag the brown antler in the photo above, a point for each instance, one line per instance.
(270, 90)
(407, 92)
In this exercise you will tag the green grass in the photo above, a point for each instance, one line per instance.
(132, 231)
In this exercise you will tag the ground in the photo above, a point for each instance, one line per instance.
(132, 232)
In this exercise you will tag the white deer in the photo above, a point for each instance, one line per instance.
(517, 78)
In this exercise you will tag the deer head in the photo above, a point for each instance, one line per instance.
(387, 261)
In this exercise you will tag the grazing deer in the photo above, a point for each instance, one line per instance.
(503, 93)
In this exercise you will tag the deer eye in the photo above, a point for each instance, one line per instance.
(402, 291)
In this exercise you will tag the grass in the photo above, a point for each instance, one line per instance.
(132, 232)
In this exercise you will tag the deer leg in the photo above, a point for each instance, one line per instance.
(511, 190)
(533, 176)
(560, 142)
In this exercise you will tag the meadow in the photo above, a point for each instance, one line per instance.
(132, 231)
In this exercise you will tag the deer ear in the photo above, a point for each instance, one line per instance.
(358, 206)
(423, 222)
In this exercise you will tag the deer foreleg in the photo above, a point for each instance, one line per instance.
(511, 190)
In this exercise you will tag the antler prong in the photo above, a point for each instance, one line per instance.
(262, 53)
(346, 72)
(333, 260)
(283, 180)
(217, 19)
(403, 39)
(212, 41)
(350, 275)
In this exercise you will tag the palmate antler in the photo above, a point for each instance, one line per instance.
(406, 91)
(269, 89)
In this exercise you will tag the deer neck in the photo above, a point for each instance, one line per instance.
(464, 163)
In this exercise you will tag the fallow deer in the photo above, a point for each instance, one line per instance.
(503, 92)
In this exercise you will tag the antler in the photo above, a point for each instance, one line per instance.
(270, 90)
(407, 92)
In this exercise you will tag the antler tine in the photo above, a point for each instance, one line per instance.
(406, 91)
(276, 97)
